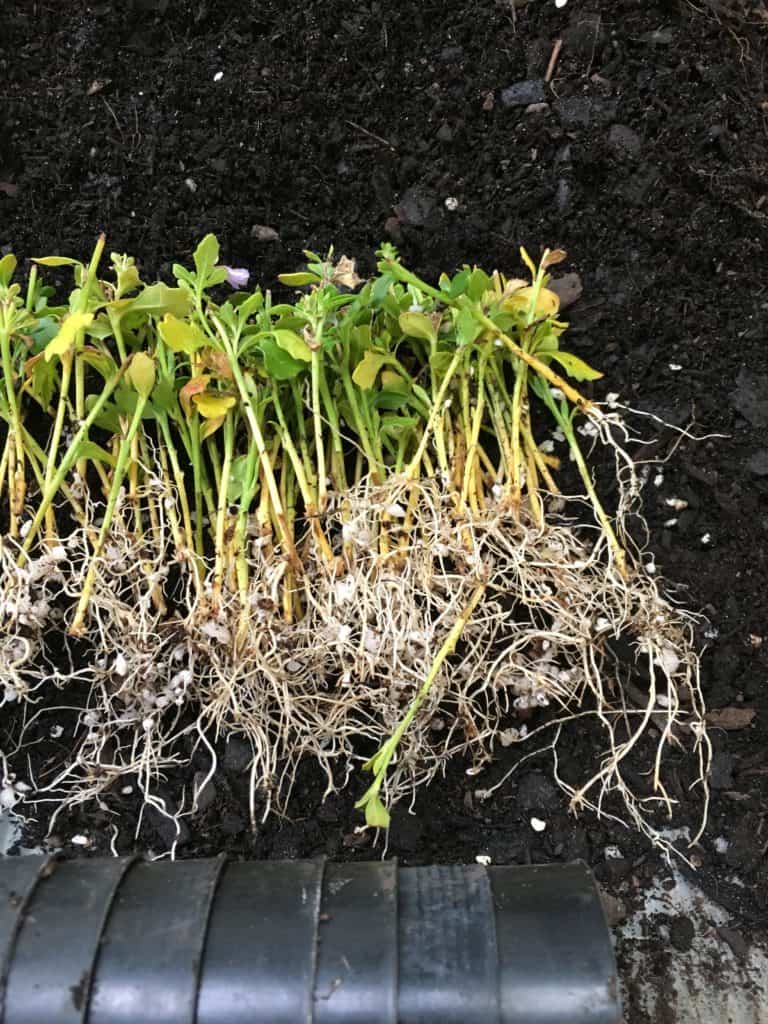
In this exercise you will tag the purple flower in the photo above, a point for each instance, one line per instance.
(237, 277)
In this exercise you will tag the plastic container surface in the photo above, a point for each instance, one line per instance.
(123, 941)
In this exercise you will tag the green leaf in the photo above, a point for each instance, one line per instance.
(376, 814)
(42, 376)
(158, 299)
(181, 335)
(390, 401)
(126, 400)
(109, 417)
(293, 344)
(182, 274)
(439, 363)
(238, 482)
(278, 363)
(206, 256)
(217, 276)
(289, 323)
(368, 368)
(467, 327)
(417, 325)
(575, 367)
(299, 279)
(7, 267)
(247, 305)
(546, 345)
(394, 304)
(479, 283)
(102, 362)
(164, 396)
(45, 329)
(94, 452)
(396, 426)
(380, 289)
(101, 328)
(459, 284)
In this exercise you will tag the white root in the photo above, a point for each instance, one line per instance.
(345, 671)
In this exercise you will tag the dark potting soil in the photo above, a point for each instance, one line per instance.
(295, 125)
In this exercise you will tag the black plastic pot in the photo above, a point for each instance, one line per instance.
(208, 942)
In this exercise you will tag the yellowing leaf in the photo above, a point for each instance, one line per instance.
(212, 406)
(210, 427)
(367, 369)
(512, 285)
(344, 273)
(417, 325)
(56, 261)
(376, 814)
(527, 261)
(65, 339)
(141, 374)
(299, 279)
(180, 335)
(547, 303)
(216, 361)
(574, 366)
(293, 344)
(549, 259)
(193, 387)
(7, 267)
(391, 380)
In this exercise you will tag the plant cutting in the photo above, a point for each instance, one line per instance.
(364, 518)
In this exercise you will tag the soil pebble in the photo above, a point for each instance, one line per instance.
(416, 206)
(624, 141)
(750, 397)
(523, 94)
(264, 233)
(758, 463)
(583, 111)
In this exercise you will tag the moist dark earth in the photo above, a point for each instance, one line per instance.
(301, 125)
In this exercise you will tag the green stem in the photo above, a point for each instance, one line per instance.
(437, 411)
(374, 463)
(17, 485)
(55, 478)
(221, 512)
(266, 465)
(78, 624)
(317, 371)
(375, 812)
(117, 334)
(477, 421)
(58, 423)
(338, 471)
(31, 289)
